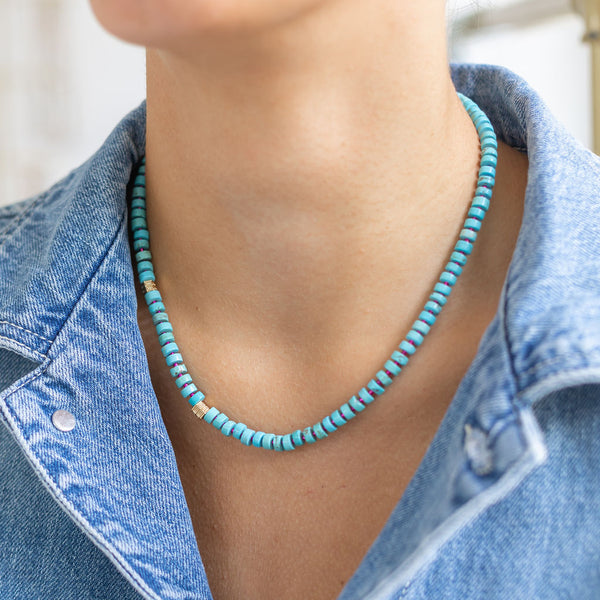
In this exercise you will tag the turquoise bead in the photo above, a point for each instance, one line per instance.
(140, 245)
(384, 378)
(161, 317)
(356, 404)
(420, 327)
(486, 182)
(449, 278)
(309, 436)
(220, 420)
(140, 180)
(238, 430)
(257, 439)
(247, 436)
(489, 160)
(375, 387)
(143, 255)
(146, 276)
(459, 257)
(174, 358)
(163, 338)
(287, 442)
(156, 307)
(443, 289)
(464, 246)
(415, 337)
(138, 192)
(400, 358)
(328, 424)
(364, 395)
(141, 234)
(145, 265)
(138, 212)
(178, 369)
(152, 296)
(169, 348)
(297, 438)
(476, 213)
(188, 390)
(453, 268)
(489, 143)
(482, 192)
(392, 367)
(467, 234)
(181, 381)
(139, 223)
(163, 328)
(336, 417)
(439, 298)
(319, 431)
(227, 427)
(408, 348)
(198, 396)
(434, 307)
(347, 412)
(138, 203)
(473, 224)
(427, 317)
(267, 441)
(211, 415)
(278, 443)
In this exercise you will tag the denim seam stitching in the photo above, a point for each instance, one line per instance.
(2, 337)
(27, 330)
(51, 485)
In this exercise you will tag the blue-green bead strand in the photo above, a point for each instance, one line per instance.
(383, 378)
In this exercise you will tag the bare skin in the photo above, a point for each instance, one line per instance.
(309, 167)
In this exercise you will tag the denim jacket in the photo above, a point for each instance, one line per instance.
(504, 505)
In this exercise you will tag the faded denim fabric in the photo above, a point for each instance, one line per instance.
(505, 504)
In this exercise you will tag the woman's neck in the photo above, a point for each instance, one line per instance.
(306, 181)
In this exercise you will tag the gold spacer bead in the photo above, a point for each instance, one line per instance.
(200, 409)
(149, 286)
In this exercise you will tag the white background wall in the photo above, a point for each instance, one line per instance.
(65, 83)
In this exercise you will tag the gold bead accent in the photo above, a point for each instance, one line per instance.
(149, 286)
(200, 409)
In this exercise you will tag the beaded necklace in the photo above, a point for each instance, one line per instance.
(393, 366)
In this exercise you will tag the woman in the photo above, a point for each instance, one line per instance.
(308, 170)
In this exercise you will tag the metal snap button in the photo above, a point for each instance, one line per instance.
(63, 420)
(478, 452)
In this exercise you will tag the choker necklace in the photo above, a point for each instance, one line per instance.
(397, 361)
